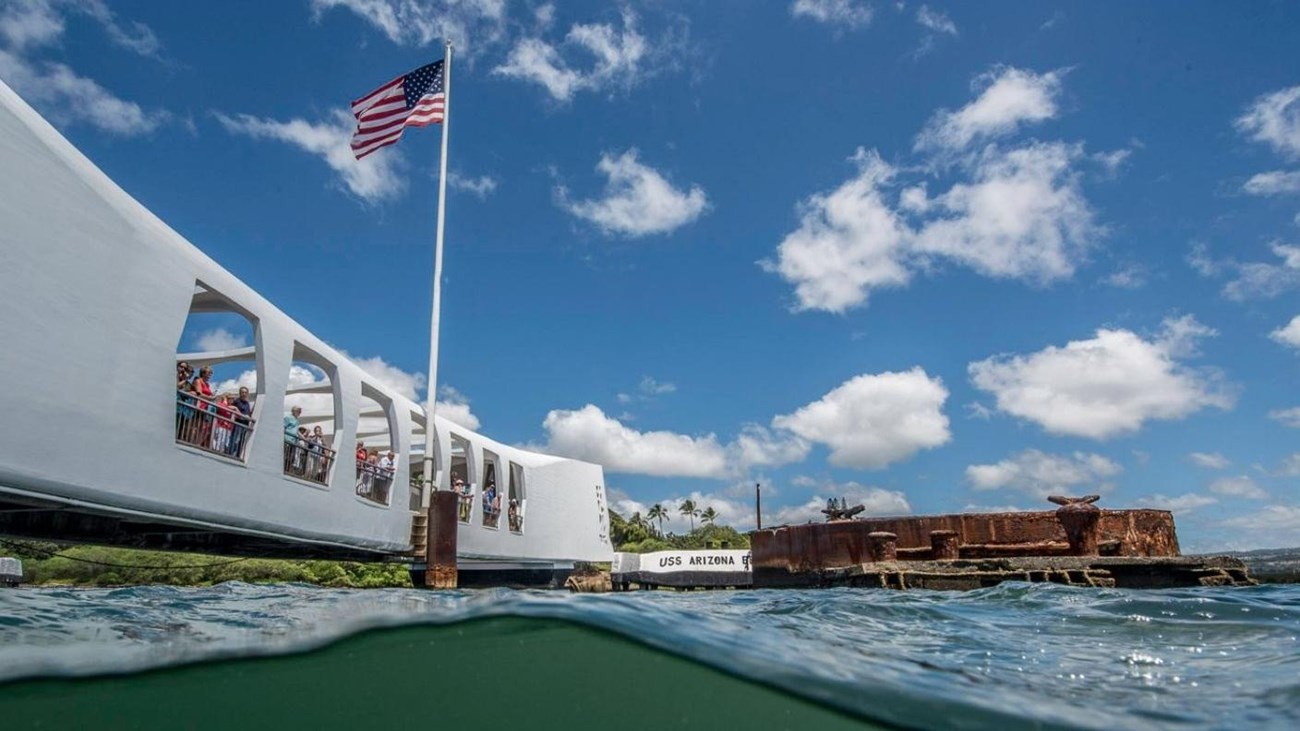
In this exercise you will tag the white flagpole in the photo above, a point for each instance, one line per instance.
(431, 397)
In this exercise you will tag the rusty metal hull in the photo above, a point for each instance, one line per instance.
(1077, 544)
(819, 546)
(965, 574)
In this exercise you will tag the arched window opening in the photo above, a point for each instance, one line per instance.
(461, 478)
(310, 403)
(218, 369)
(417, 460)
(491, 498)
(376, 458)
(515, 506)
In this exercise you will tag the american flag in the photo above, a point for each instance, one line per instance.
(411, 100)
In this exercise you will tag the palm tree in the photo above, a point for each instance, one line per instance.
(657, 512)
(688, 508)
(709, 515)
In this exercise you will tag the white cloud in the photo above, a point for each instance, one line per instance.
(1179, 504)
(454, 406)
(131, 35)
(1010, 98)
(65, 96)
(1241, 486)
(871, 421)
(372, 179)
(589, 434)
(220, 339)
(1275, 526)
(936, 20)
(1290, 466)
(1106, 386)
(1039, 474)
(1020, 213)
(974, 508)
(410, 385)
(60, 92)
(1274, 182)
(471, 24)
(1258, 280)
(30, 24)
(651, 387)
(876, 501)
(1214, 461)
(594, 57)
(849, 242)
(638, 200)
(844, 13)
(1199, 259)
(1130, 276)
(1023, 216)
(1274, 119)
(1254, 279)
(760, 447)
(481, 186)
(1111, 161)
(34, 23)
(1286, 417)
(1288, 334)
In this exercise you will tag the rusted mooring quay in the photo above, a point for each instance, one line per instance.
(1078, 544)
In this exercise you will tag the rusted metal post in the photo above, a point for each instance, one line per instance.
(1080, 519)
(441, 562)
(882, 546)
(758, 507)
(943, 545)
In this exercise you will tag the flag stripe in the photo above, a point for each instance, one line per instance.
(364, 102)
(415, 99)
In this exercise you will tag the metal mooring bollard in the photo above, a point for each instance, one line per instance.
(943, 545)
(883, 546)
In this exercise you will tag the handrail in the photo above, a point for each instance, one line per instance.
(306, 460)
(191, 395)
(373, 481)
(200, 423)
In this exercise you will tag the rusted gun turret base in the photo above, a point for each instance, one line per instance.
(963, 574)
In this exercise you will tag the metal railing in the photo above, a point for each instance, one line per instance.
(206, 425)
(307, 461)
(491, 511)
(374, 482)
(464, 504)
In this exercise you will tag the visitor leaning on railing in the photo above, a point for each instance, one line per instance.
(374, 480)
(216, 426)
(464, 499)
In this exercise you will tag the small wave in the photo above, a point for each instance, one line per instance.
(1014, 653)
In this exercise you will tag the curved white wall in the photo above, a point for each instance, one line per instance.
(94, 294)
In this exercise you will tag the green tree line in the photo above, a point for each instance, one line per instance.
(644, 533)
(84, 566)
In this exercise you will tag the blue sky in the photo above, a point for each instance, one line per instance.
(934, 258)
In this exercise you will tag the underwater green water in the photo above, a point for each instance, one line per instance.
(505, 672)
(288, 656)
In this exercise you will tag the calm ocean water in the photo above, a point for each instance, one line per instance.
(1013, 655)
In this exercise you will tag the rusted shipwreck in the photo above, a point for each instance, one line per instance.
(1077, 544)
